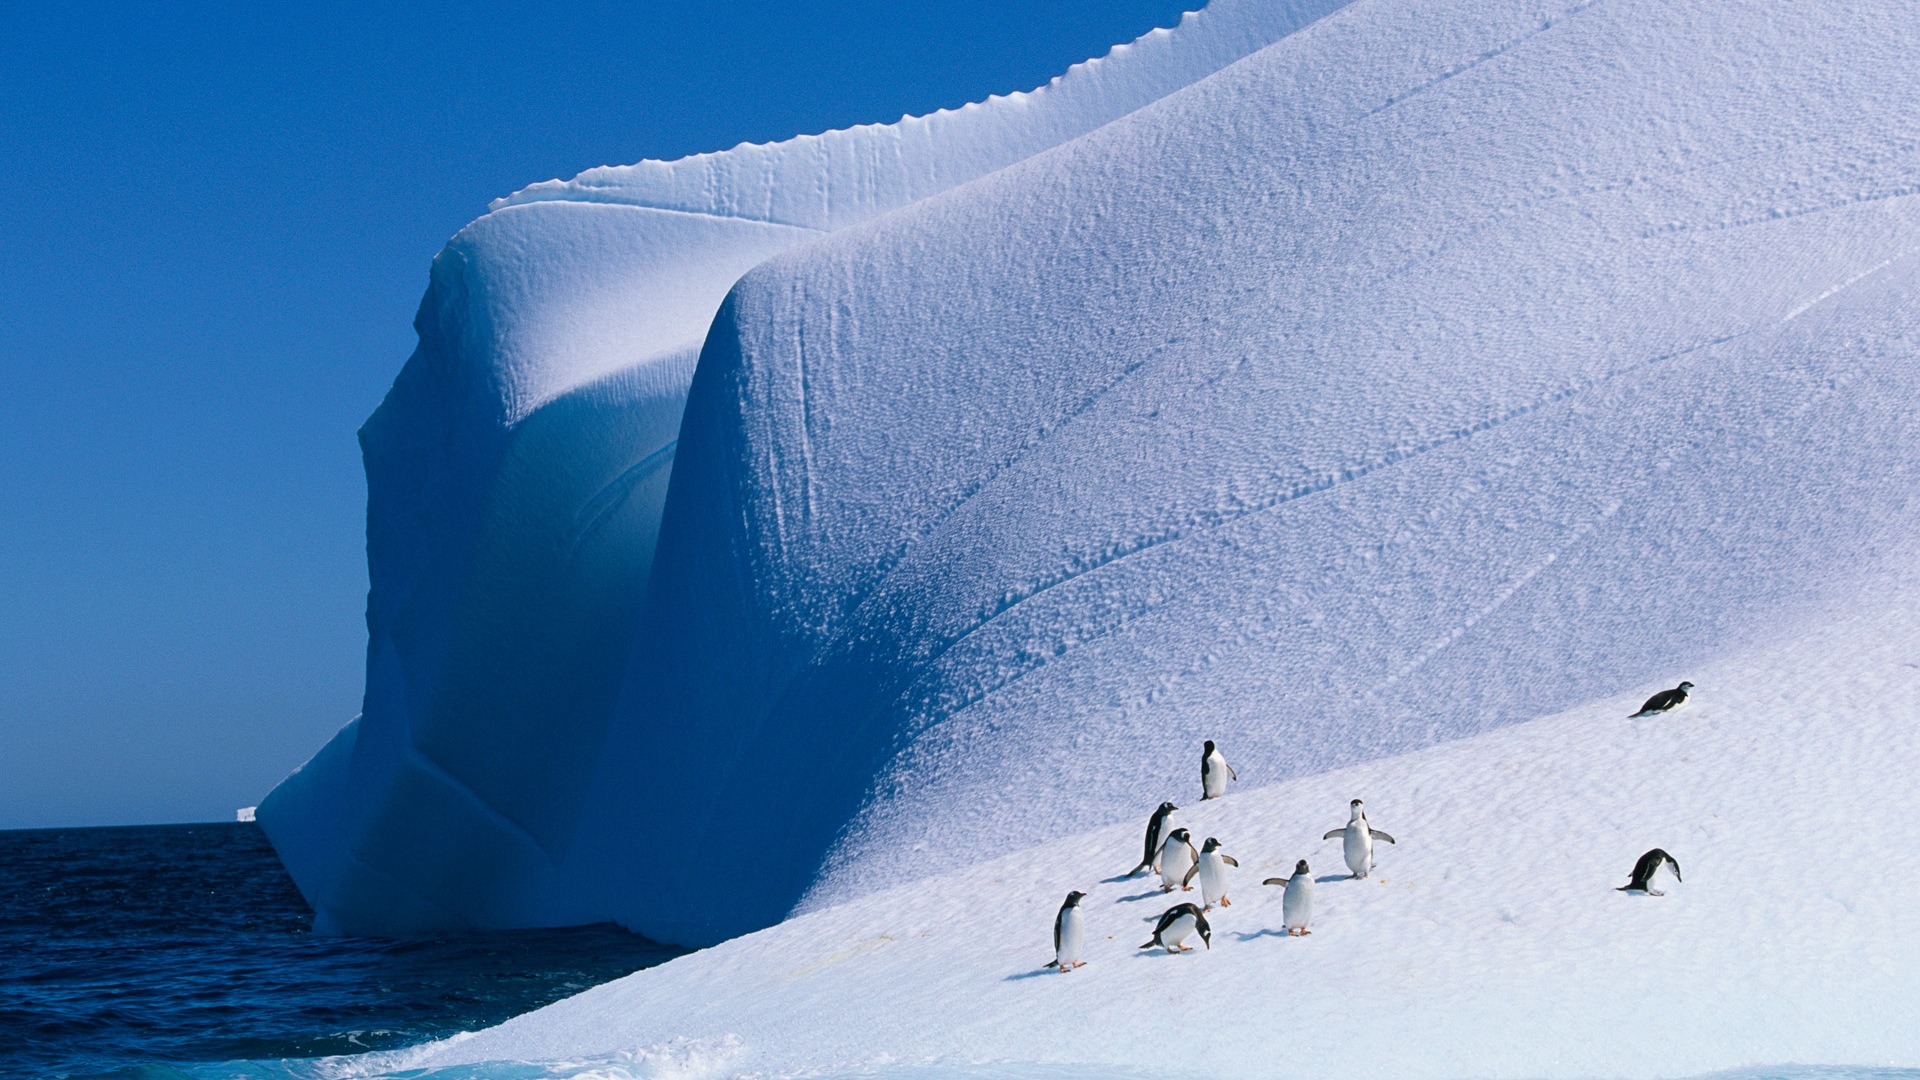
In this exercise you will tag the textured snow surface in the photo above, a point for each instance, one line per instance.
(1489, 941)
(517, 469)
(1437, 367)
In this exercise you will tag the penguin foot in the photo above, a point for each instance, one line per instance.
(1224, 902)
(1186, 948)
(1166, 888)
(1186, 888)
(1079, 963)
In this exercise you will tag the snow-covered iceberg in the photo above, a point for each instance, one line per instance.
(517, 469)
(1432, 368)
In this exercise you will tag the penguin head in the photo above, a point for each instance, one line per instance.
(1209, 747)
(1685, 685)
(1074, 898)
(1206, 933)
(1356, 804)
(1181, 835)
(1167, 808)
(1211, 845)
(1301, 867)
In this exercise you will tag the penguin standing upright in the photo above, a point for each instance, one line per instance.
(1214, 773)
(1069, 933)
(1212, 869)
(1644, 870)
(1359, 837)
(1156, 831)
(1175, 924)
(1177, 860)
(1664, 701)
(1296, 907)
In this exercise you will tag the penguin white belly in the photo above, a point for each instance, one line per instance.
(1296, 908)
(1073, 938)
(1359, 850)
(1214, 782)
(1213, 878)
(1178, 931)
(1175, 860)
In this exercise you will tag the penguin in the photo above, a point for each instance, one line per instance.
(1069, 933)
(1664, 701)
(1175, 924)
(1645, 869)
(1156, 829)
(1177, 860)
(1296, 907)
(1214, 773)
(1359, 837)
(1212, 869)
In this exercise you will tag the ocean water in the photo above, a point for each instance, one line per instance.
(158, 951)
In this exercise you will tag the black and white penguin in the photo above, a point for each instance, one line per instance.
(1156, 831)
(1177, 860)
(1359, 836)
(1212, 870)
(1069, 933)
(1645, 869)
(1664, 701)
(1296, 907)
(1214, 773)
(1176, 924)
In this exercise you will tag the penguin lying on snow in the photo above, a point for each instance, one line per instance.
(1664, 701)
(1214, 772)
(1645, 869)
(1359, 836)
(1156, 829)
(1176, 924)
(1212, 869)
(1069, 933)
(1177, 860)
(1296, 907)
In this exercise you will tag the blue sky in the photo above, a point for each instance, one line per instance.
(219, 224)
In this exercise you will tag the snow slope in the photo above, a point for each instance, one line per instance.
(1437, 367)
(517, 469)
(1489, 942)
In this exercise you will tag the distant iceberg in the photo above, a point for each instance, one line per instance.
(244, 814)
(929, 492)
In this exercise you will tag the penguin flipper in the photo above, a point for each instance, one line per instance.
(1231, 861)
(1231, 773)
(1378, 835)
(1275, 881)
(1333, 833)
(1188, 880)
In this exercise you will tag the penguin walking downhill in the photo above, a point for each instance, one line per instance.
(1178, 923)
(1645, 869)
(1359, 837)
(1156, 832)
(1296, 907)
(1069, 933)
(1664, 701)
(1214, 773)
(1177, 860)
(1212, 869)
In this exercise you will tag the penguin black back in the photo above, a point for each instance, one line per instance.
(1156, 830)
(1665, 700)
(1646, 867)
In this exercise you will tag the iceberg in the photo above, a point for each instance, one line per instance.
(516, 474)
(1397, 404)
(1364, 383)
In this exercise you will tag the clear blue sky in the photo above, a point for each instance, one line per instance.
(218, 224)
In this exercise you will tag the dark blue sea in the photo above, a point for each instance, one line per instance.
(130, 952)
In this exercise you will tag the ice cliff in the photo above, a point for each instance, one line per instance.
(1329, 393)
